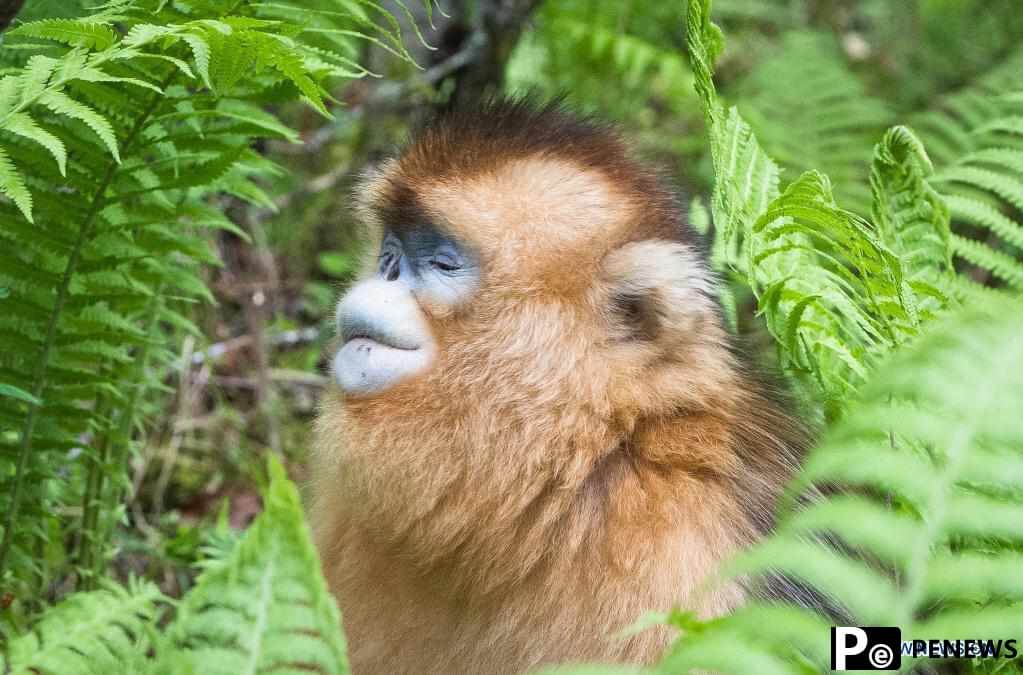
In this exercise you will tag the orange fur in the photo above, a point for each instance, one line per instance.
(552, 476)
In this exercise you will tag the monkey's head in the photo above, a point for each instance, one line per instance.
(534, 302)
(520, 245)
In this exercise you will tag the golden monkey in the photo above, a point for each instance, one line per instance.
(541, 429)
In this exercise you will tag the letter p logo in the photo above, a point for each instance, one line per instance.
(846, 641)
(866, 648)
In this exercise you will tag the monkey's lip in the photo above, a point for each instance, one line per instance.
(377, 338)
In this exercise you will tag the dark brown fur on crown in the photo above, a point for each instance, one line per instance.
(472, 139)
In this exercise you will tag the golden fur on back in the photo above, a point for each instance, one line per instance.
(560, 470)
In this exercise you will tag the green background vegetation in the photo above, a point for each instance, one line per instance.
(175, 181)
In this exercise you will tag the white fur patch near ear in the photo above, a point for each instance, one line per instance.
(665, 277)
(675, 355)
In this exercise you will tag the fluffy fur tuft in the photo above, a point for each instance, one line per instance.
(589, 444)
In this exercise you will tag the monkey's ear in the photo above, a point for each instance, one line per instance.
(656, 291)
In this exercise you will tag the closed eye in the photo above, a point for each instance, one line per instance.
(445, 263)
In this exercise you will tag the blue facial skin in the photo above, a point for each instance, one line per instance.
(430, 263)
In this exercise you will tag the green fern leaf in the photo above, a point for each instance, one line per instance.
(90, 35)
(1001, 265)
(180, 64)
(983, 189)
(247, 117)
(13, 185)
(232, 54)
(10, 391)
(950, 129)
(144, 33)
(265, 605)
(911, 216)
(979, 212)
(62, 104)
(9, 96)
(23, 125)
(99, 317)
(1007, 186)
(290, 63)
(932, 456)
(97, 75)
(834, 296)
(93, 292)
(33, 80)
(807, 86)
(105, 631)
(201, 54)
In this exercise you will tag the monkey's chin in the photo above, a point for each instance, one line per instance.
(363, 367)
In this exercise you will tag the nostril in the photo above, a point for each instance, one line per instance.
(390, 267)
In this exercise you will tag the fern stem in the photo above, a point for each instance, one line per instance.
(121, 438)
(90, 498)
(39, 376)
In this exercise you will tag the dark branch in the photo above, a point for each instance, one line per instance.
(8, 10)
(487, 46)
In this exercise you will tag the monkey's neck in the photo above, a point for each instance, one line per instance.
(490, 507)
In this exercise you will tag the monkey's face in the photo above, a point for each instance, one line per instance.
(521, 262)
(385, 332)
(481, 276)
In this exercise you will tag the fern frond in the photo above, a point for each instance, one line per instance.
(10, 391)
(981, 212)
(265, 607)
(201, 53)
(1002, 266)
(833, 295)
(94, 633)
(634, 57)
(984, 190)
(33, 80)
(97, 75)
(912, 218)
(122, 233)
(804, 250)
(937, 431)
(580, 46)
(949, 128)
(338, 27)
(282, 55)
